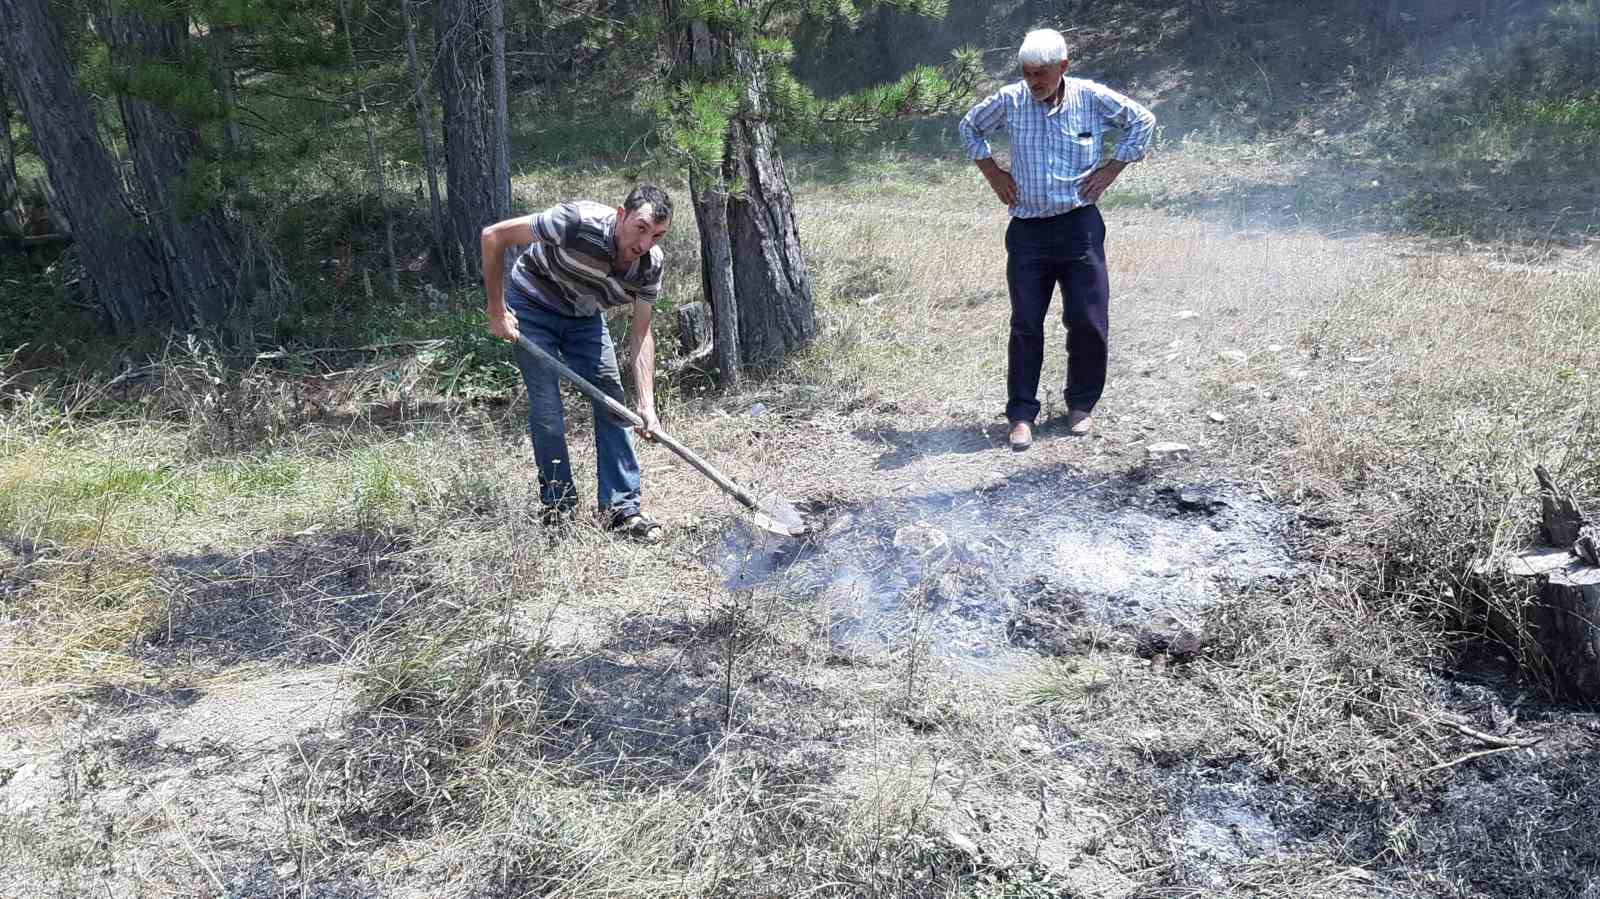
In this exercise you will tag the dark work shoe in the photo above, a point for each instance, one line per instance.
(1079, 423)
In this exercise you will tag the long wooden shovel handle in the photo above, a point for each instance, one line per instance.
(631, 417)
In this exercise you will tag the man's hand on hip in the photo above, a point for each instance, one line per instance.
(1100, 179)
(1005, 186)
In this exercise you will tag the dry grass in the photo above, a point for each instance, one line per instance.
(528, 712)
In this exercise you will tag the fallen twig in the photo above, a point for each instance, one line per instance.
(428, 344)
(1470, 756)
(1491, 739)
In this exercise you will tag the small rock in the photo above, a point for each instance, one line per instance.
(962, 844)
(1216, 416)
(1358, 360)
(1167, 450)
(758, 409)
(1237, 357)
(1170, 638)
(1029, 738)
(922, 539)
(1185, 315)
(1276, 348)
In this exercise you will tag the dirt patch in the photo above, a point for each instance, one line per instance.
(1049, 561)
(176, 792)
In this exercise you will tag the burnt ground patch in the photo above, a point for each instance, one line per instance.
(643, 723)
(1510, 827)
(304, 600)
(648, 708)
(1225, 818)
(1050, 561)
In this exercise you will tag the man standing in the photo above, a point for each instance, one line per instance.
(1056, 235)
(583, 258)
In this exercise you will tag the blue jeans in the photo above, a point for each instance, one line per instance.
(584, 344)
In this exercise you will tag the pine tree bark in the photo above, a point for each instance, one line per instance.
(374, 155)
(465, 49)
(116, 249)
(776, 312)
(716, 276)
(220, 45)
(752, 265)
(198, 248)
(425, 128)
(11, 219)
(502, 115)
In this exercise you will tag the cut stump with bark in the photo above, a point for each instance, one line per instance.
(1561, 578)
(694, 327)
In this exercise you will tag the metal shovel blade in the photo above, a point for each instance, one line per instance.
(775, 514)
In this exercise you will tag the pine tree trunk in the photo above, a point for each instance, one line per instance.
(502, 116)
(776, 313)
(198, 249)
(716, 277)
(114, 246)
(220, 44)
(425, 127)
(11, 218)
(465, 48)
(374, 155)
(1562, 614)
(748, 239)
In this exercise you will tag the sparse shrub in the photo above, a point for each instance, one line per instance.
(226, 410)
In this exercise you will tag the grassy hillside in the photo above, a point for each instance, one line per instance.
(1471, 120)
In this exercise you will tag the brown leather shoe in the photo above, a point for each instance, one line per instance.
(1079, 423)
(1021, 436)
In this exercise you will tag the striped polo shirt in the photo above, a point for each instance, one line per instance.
(568, 270)
(1053, 148)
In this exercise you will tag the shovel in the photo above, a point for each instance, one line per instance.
(772, 512)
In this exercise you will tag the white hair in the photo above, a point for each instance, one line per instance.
(1045, 47)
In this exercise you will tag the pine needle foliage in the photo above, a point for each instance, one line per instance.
(697, 108)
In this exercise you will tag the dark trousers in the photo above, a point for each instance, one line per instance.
(1070, 250)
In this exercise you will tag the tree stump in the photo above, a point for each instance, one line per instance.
(1563, 613)
(1562, 582)
(694, 327)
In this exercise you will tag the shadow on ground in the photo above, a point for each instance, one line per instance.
(908, 447)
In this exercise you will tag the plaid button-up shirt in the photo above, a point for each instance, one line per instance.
(1054, 148)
